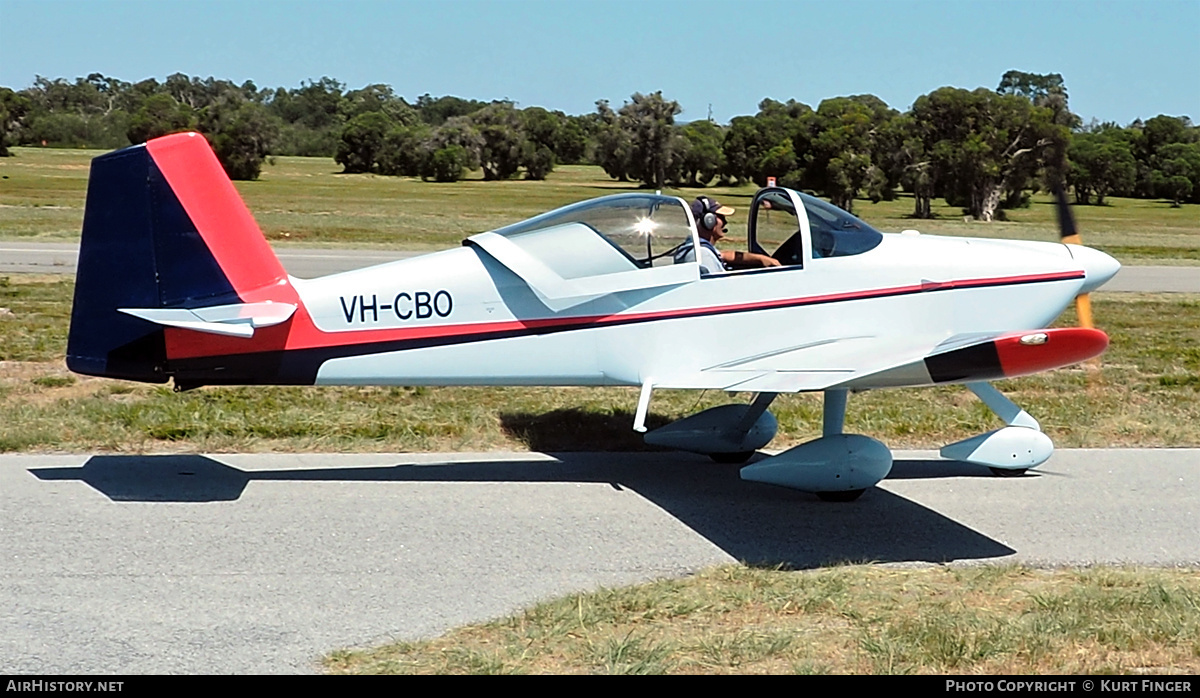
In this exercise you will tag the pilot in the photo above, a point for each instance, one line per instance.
(710, 223)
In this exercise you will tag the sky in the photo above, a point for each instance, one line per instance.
(1119, 60)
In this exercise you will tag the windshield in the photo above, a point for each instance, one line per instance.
(605, 235)
(836, 233)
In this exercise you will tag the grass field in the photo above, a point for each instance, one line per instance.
(860, 619)
(305, 201)
(1146, 393)
(842, 620)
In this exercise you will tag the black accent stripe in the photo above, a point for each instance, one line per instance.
(977, 362)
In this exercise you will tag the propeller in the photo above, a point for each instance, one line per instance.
(1083, 302)
(1070, 236)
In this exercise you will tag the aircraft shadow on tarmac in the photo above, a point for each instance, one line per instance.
(755, 523)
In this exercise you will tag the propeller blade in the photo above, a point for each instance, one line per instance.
(1083, 310)
(1070, 235)
(1066, 220)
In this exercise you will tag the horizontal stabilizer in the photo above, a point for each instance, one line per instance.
(234, 320)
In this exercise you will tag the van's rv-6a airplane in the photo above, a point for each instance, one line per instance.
(176, 281)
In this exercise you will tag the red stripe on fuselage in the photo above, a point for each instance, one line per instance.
(300, 333)
(1063, 346)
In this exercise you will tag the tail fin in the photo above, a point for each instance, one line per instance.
(163, 228)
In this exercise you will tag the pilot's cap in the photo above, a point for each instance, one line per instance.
(703, 205)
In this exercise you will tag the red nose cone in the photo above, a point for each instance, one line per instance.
(1030, 352)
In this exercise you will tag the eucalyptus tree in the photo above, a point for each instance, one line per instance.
(378, 98)
(574, 136)
(845, 153)
(159, 115)
(403, 151)
(703, 158)
(362, 140)
(980, 141)
(1148, 139)
(242, 134)
(1048, 91)
(312, 117)
(613, 149)
(502, 134)
(1100, 163)
(436, 111)
(769, 144)
(542, 131)
(13, 108)
(452, 148)
(650, 122)
(1176, 173)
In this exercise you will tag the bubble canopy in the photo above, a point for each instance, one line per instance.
(611, 234)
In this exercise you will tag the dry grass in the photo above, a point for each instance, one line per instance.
(1146, 394)
(306, 201)
(841, 620)
(987, 620)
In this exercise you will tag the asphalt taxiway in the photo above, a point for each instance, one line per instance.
(264, 563)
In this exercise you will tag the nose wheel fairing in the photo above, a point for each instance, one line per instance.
(1015, 448)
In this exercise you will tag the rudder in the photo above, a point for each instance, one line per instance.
(163, 227)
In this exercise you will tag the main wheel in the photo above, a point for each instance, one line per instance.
(1008, 472)
(842, 496)
(739, 457)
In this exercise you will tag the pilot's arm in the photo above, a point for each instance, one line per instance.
(747, 260)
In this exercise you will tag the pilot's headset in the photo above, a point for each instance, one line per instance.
(709, 220)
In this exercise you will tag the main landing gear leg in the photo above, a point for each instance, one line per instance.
(834, 417)
(832, 424)
(740, 430)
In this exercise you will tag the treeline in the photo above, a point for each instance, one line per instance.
(366, 130)
(984, 150)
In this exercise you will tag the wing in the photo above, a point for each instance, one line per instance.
(865, 362)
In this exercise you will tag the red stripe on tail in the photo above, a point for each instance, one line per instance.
(216, 209)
